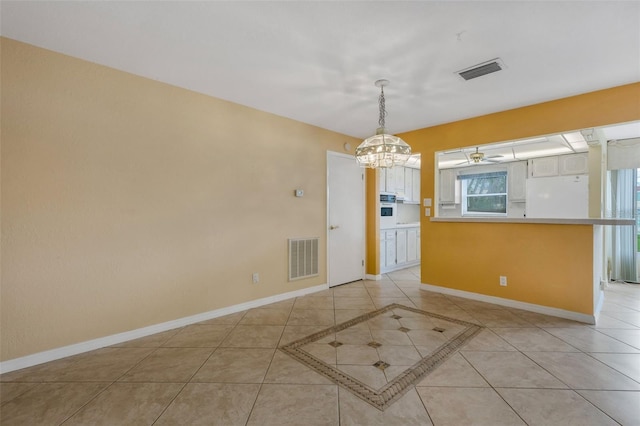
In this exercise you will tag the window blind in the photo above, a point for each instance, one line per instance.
(623, 154)
(481, 175)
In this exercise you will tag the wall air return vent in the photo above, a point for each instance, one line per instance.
(481, 69)
(303, 258)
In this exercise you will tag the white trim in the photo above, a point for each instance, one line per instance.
(373, 277)
(398, 267)
(598, 303)
(546, 310)
(90, 345)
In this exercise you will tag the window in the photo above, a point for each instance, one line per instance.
(484, 194)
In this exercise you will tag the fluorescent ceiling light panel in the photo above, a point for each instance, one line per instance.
(542, 152)
(574, 137)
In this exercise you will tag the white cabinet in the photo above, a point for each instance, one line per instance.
(382, 179)
(517, 181)
(402, 181)
(447, 191)
(543, 167)
(395, 180)
(390, 249)
(411, 185)
(408, 185)
(574, 164)
(399, 178)
(390, 179)
(415, 185)
(563, 165)
(412, 239)
(401, 246)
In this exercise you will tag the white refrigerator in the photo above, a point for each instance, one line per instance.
(565, 197)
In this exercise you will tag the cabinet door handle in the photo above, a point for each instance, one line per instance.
(334, 227)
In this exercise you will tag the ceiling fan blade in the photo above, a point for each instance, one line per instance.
(464, 162)
(495, 156)
(491, 161)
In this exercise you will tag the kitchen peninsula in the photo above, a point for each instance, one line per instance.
(562, 274)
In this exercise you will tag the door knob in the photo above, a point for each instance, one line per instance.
(334, 227)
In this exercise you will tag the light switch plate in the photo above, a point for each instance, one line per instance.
(427, 202)
(427, 211)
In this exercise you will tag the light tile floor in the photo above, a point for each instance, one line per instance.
(524, 368)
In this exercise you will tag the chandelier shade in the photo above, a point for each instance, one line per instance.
(382, 150)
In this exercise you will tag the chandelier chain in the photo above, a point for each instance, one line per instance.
(383, 112)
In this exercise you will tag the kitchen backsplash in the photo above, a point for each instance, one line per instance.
(408, 213)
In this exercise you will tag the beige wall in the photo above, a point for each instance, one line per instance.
(127, 202)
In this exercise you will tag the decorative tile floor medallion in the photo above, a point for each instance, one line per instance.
(406, 336)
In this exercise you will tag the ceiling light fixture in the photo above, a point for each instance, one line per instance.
(476, 157)
(382, 149)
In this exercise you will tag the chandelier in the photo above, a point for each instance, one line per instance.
(382, 149)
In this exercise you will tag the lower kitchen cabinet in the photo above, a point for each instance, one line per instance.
(412, 244)
(399, 248)
(387, 249)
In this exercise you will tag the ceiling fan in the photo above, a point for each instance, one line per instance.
(478, 157)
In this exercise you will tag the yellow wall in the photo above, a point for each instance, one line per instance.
(372, 264)
(127, 202)
(545, 264)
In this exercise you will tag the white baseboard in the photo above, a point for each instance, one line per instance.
(598, 304)
(90, 345)
(373, 277)
(540, 309)
(399, 267)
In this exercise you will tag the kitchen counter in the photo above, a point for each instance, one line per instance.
(408, 225)
(402, 226)
(550, 221)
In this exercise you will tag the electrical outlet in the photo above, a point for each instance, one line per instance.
(256, 278)
(503, 281)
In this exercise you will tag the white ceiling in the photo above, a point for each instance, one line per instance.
(316, 61)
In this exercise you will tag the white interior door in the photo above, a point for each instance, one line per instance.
(346, 235)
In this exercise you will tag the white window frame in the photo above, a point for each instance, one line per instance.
(464, 183)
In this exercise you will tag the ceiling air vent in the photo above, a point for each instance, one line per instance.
(482, 69)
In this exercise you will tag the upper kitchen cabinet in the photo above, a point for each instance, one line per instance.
(395, 181)
(408, 185)
(399, 176)
(563, 165)
(411, 185)
(415, 186)
(402, 181)
(447, 193)
(382, 179)
(574, 164)
(517, 181)
(543, 167)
